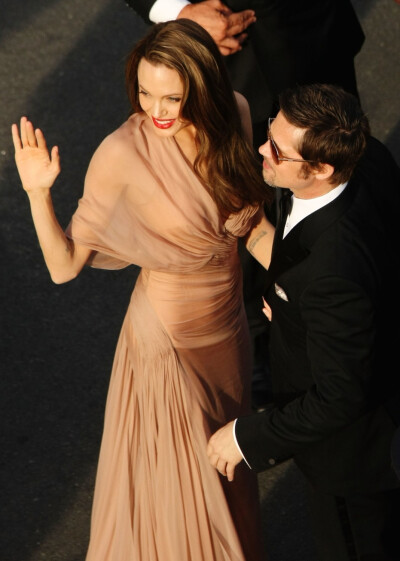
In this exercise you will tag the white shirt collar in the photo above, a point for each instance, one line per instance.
(303, 207)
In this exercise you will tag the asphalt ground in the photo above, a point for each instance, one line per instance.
(61, 63)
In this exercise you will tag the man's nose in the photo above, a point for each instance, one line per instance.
(263, 149)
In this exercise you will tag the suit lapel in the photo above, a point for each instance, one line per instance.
(283, 206)
(295, 247)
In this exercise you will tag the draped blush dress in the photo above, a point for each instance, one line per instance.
(182, 366)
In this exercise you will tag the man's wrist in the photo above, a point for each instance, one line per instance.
(237, 444)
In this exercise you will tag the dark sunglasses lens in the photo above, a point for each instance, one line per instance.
(274, 151)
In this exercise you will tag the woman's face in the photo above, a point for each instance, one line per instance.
(160, 97)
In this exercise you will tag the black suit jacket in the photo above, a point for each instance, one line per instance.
(292, 41)
(334, 342)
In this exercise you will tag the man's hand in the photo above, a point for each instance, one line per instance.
(267, 309)
(225, 27)
(222, 451)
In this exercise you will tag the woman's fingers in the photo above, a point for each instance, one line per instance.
(40, 139)
(28, 137)
(30, 134)
(55, 160)
(24, 137)
(16, 138)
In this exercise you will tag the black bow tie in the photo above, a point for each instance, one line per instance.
(285, 204)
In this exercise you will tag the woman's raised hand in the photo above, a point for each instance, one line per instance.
(37, 167)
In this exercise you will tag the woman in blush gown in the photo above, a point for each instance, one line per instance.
(171, 190)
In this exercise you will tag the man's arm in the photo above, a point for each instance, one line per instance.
(225, 27)
(340, 346)
(142, 8)
(339, 325)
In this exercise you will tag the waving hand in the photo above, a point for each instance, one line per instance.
(37, 167)
(38, 170)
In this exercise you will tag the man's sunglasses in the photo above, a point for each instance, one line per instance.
(275, 151)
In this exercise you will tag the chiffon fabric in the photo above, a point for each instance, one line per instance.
(182, 366)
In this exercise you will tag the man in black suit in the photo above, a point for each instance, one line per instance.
(334, 332)
(270, 45)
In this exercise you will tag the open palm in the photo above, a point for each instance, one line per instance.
(37, 167)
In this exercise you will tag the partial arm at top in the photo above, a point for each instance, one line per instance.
(245, 116)
(227, 28)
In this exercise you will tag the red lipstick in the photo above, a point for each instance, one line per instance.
(163, 123)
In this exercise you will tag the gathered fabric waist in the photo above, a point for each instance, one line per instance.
(194, 308)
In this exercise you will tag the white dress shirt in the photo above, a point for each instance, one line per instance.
(166, 10)
(303, 207)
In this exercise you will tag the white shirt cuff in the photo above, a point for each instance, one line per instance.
(166, 10)
(236, 442)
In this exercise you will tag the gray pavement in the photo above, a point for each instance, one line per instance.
(61, 63)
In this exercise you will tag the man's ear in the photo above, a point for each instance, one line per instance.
(324, 172)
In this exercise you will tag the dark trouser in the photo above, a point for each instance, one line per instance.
(356, 528)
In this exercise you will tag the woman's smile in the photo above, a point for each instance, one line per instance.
(163, 123)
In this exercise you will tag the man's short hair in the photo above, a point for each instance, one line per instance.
(336, 128)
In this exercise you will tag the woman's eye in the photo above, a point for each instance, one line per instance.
(141, 92)
(175, 99)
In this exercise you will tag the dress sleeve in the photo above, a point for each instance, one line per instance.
(239, 224)
(93, 224)
(142, 204)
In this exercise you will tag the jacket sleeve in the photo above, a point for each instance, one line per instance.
(141, 7)
(340, 330)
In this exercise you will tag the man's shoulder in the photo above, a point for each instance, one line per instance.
(377, 158)
(376, 184)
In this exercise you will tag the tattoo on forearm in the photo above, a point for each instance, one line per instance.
(256, 240)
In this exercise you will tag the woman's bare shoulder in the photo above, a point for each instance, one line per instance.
(244, 111)
(242, 102)
(118, 144)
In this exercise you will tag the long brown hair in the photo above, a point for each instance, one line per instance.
(225, 162)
